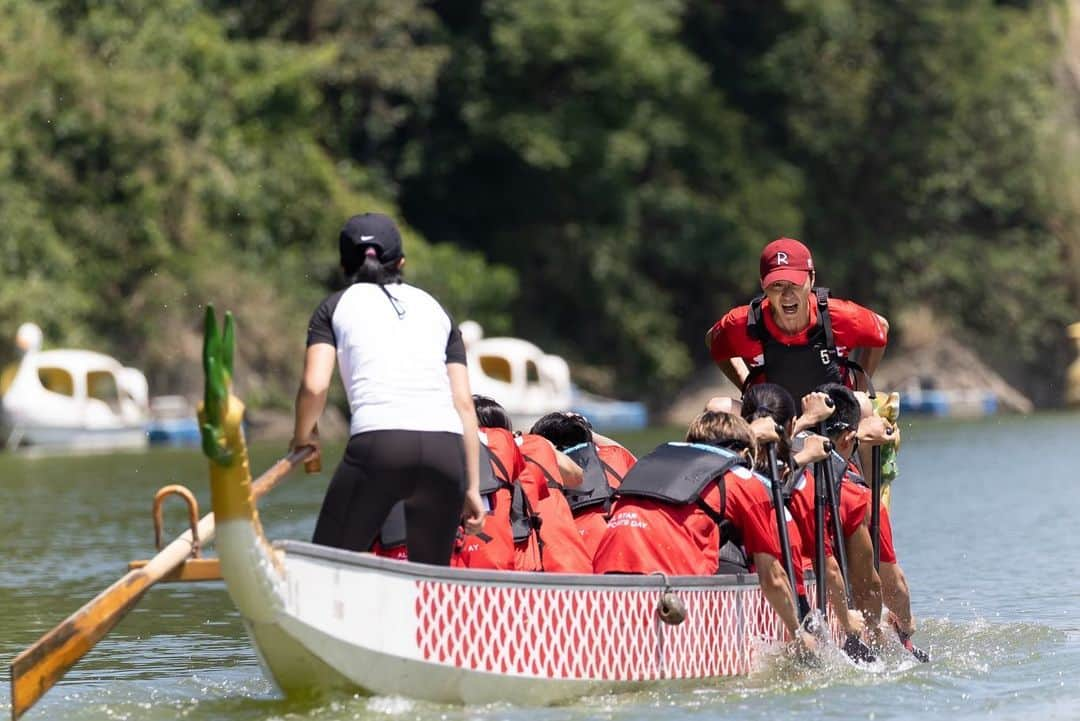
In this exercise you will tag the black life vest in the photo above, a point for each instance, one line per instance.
(392, 533)
(493, 476)
(800, 368)
(791, 481)
(732, 559)
(678, 473)
(840, 468)
(844, 471)
(594, 489)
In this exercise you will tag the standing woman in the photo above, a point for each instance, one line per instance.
(413, 433)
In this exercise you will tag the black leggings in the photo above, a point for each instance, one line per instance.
(425, 469)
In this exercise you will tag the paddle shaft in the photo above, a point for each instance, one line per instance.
(781, 525)
(35, 670)
(875, 503)
(836, 527)
(820, 501)
(875, 536)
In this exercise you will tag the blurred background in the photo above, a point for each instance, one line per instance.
(597, 176)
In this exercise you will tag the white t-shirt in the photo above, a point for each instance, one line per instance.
(393, 343)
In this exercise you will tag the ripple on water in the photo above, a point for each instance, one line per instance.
(200, 675)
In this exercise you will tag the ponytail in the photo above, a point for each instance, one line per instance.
(768, 400)
(371, 270)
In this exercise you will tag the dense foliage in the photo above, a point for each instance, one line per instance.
(597, 175)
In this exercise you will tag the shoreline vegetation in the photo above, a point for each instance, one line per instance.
(597, 177)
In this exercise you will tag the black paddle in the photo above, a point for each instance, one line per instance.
(819, 535)
(853, 646)
(875, 535)
(905, 641)
(820, 501)
(781, 524)
(875, 498)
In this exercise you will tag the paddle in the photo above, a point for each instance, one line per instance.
(875, 535)
(781, 524)
(820, 500)
(35, 670)
(875, 500)
(853, 646)
(905, 641)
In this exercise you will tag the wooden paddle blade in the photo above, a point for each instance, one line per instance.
(35, 670)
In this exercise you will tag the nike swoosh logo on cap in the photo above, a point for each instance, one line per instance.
(367, 237)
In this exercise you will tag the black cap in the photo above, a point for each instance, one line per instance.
(369, 230)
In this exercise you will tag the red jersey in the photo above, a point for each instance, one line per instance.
(562, 547)
(645, 536)
(854, 506)
(591, 525)
(398, 552)
(886, 551)
(494, 547)
(855, 500)
(853, 327)
(592, 522)
(619, 460)
(799, 559)
(854, 503)
(860, 497)
(801, 505)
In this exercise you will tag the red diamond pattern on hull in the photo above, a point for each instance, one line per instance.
(597, 634)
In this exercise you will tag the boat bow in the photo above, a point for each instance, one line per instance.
(253, 574)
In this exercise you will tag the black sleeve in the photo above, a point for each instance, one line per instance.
(321, 326)
(455, 347)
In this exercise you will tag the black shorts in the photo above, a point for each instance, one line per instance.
(425, 469)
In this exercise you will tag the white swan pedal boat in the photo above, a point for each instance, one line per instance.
(324, 619)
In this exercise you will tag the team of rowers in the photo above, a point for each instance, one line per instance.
(772, 482)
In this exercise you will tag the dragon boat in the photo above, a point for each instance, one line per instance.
(324, 619)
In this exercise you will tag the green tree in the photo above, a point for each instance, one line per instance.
(153, 162)
(581, 143)
(920, 129)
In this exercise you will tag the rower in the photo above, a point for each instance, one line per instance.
(794, 334)
(768, 406)
(603, 464)
(678, 505)
(563, 548)
(848, 430)
(509, 539)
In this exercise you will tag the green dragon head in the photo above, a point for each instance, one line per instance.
(218, 367)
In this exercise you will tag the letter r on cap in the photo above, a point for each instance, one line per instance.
(781, 258)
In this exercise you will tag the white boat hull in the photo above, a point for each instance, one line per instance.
(351, 620)
(73, 438)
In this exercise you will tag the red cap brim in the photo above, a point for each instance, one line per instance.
(793, 275)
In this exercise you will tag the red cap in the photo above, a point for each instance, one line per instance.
(785, 259)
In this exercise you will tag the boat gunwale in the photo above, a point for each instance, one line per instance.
(421, 571)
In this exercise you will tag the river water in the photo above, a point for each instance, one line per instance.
(985, 517)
